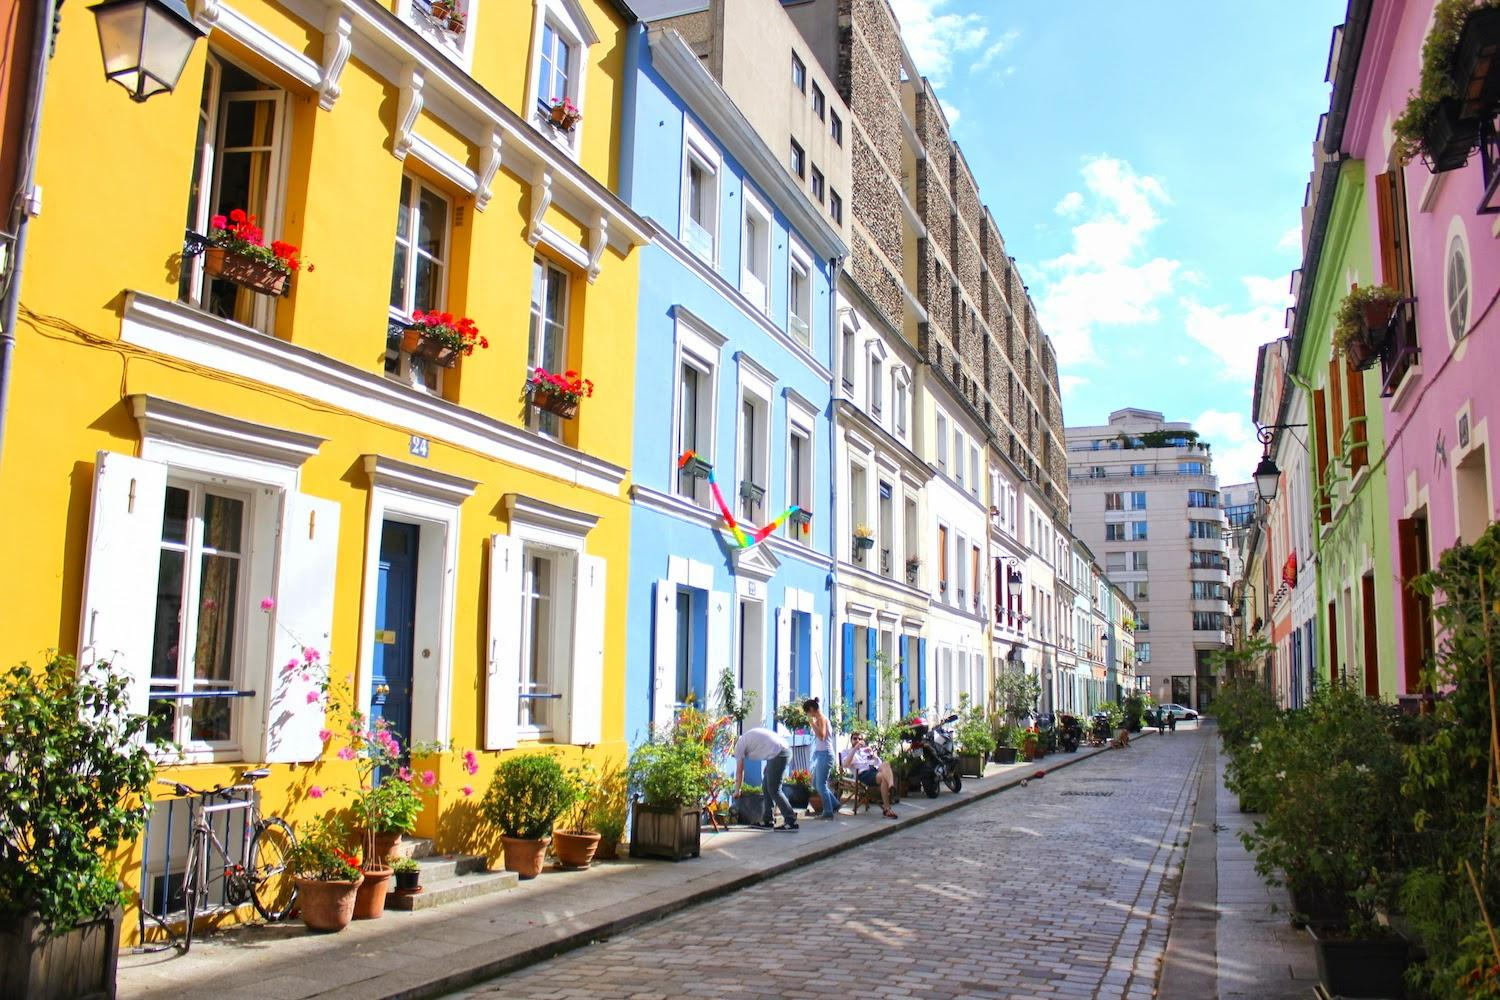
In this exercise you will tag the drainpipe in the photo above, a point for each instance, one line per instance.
(836, 267)
(25, 204)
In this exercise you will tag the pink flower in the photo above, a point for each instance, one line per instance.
(324, 735)
(312, 697)
(306, 677)
(429, 779)
(467, 790)
(346, 754)
(290, 666)
(267, 603)
(315, 792)
(471, 762)
(404, 774)
(309, 655)
(218, 222)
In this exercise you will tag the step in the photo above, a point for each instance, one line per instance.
(453, 889)
(413, 847)
(437, 867)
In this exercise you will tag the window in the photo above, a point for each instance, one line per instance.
(1097, 472)
(753, 455)
(799, 301)
(836, 127)
(875, 387)
(1114, 532)
(1206, 590)
(1202, 498)
(799, 471)
(1143, 652)
(942, 443)
(817, 185)
(835, 207)
(898, 403)
(1208, 560)
(857, 515)
(1207, 621)
(799, 160)
(419, 275)
(694, 406)
(1138, 500)
(684, 664)
(817, 101)
(546, 338)
(974, 469)
(942, 547)
(200, 610)
(1190, 468)
(1137, 531)
(1138, 560)
(1456, 288)
(242, 133)
(799, 73)
(886, 527)
(755, 253)
(1114, 501)
(1114, 562)
(958, 457)
(1203, 529)
(539, 640)
(1138, 470)
(700, 194)
(554, 69)
(562, 36)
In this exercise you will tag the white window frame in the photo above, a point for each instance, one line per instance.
(1457, 240)
(801, 421)
(570, 21)
(941, 424)
(420, 377)
(548, 424)
(900, 402)
(875, 355)
(697, 148)
(799, 323)
(457, 48)
(756, 390)
(756, 286)
(699, 347)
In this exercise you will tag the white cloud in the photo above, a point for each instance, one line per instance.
(1106, 278)
(937, 37)
(1291, 239)
(1235, 449)
(1070, 204)
(995, 50)
(1233, 337)
(1069, 383)
(951, 110)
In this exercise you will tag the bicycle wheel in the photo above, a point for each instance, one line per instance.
(272, 887)
(192, 886)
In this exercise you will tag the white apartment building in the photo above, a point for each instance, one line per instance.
(1007, 562)
(1041, 534)
(1145, 496)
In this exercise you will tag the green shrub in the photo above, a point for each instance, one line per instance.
(74, 778)
(608, 806)
(973, 733)
(678, 764)
(390, 807)
(1135, 707)
(527, 794)
(320, 855)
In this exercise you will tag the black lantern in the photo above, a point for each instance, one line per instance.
(145, 43)
(1267, 478)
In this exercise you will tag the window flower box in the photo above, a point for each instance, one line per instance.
(694, 468)
(1448, 138)
(441, 338)
(1362, 327)
(802, 518)
(863, 543)
(1476, 63)
(243, 270)
(563, 114)
(557, 393)
(752, 493)
(236, 251)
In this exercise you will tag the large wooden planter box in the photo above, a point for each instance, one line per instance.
(971, 765)
(78, 963)
(247, 272)
(669, 832)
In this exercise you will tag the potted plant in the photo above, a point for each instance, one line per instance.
(974, 737)
(1441, 120)
(456, 22)
(1008, 744)
(408, 876)
(573, 842)
(237, 253)
(690, 465)
(669, 776)
(387, 812)
(864, 538)
(526, 796)
(1135, 707)
(797, 786)
(440, 11)
(750, 804)
(74, 778)
(1476, 61)
(328, 876)
(1364, 316)
(608, 808)
(1030, 744)
(557, 393)
(792, 717)
(913, 565)
(441, 338)
(563, 114)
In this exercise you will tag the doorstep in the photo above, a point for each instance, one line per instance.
(429, 952)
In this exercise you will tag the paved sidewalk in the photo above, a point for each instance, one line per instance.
(1230, 936)
(430, 952)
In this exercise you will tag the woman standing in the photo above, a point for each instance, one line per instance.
(822, 756)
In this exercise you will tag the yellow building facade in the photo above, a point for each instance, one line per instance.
(182, 449)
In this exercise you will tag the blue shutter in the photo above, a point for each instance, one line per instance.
(921, 673)
(872, 686)
(847, 679)
(905, 671)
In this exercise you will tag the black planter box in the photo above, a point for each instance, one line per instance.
(750, 807)
(1449, 137)
(76, 963)
(1476, 63)
(796, 795)
(1351, 967)
(1005, 755)
(670, 832)
(1316, 907)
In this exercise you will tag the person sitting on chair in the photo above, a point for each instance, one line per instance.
(869, 770)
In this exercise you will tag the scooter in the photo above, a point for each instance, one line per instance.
(936, 760)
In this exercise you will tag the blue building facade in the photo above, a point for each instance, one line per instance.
(732, 368)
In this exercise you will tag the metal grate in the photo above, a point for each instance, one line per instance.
(1092, 793)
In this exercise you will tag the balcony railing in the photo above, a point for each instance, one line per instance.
(1402, 349)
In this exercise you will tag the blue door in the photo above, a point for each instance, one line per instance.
(395, 615)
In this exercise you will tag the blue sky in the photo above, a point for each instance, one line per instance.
(1146, 163)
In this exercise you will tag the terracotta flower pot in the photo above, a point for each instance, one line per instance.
(420, 344)
(815, 802)
(575, 850)
(524, 857)
(564, 119)
(326, 906)
(369, 899)
(609, 850)
(384, 845)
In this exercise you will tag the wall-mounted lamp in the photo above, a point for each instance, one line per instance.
(145, 43)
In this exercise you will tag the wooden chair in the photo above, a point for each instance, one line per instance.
(855, 794)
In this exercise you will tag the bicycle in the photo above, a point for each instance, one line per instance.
(259, 876)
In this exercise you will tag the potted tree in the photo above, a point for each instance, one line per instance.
(328, 876)
(556, 393)
(237, 253)
(1364, 317)
(573, 841)
(74, 778)
(669, 776)
(525, 797)
(441, 338)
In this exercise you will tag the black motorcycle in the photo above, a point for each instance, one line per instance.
(936, 759)
(1069, 732)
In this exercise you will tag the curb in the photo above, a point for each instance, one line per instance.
(551, 943)
(1190, 959)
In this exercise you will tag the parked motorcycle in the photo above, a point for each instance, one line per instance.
(1069, 732)
(1100, 732)
(936, 756)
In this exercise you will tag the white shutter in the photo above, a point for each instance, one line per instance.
(664, 667)
(817, 665)
(586, 686)
(502, 682)
(306, 569)
(720, 647)
(784, 692)
(120, 578)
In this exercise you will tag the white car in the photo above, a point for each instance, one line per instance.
(1179, 712)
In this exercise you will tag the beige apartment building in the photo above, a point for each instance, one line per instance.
(1146, 500)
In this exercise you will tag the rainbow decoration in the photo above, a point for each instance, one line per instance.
(743, 539)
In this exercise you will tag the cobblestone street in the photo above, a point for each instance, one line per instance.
(1060, 889)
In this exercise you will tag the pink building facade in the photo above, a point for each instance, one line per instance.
(1441, 371)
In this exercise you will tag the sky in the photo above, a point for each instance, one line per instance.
(1146, 163)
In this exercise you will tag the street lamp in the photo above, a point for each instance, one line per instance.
(145, 43)
(1267, 475)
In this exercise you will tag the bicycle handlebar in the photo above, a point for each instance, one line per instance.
(187, 790)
